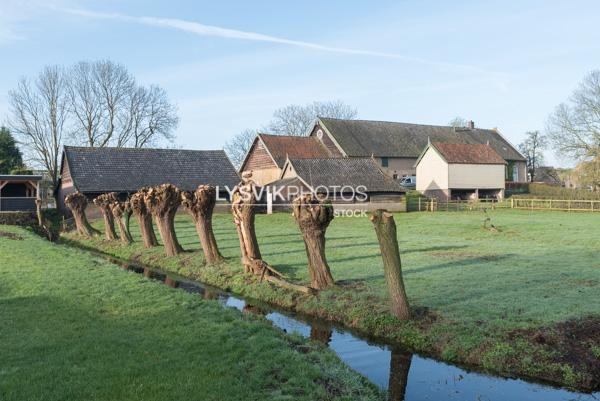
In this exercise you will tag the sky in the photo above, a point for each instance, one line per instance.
(228, 65)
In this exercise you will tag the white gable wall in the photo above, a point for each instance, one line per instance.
(472, 176)
(432, 172)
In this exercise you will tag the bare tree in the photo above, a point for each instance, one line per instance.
(532, 148)
(458, 122)
(574, 126)
(239, 145)
(86, 109)
(39, 111)
(111, 109)
(296, 119)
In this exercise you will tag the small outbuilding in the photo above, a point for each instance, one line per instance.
(93, 171)
(458, 171)
(18, 193)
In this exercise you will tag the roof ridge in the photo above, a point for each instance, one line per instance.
(405, 123)
(117, 148)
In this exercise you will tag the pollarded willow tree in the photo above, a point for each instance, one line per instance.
(104, 203)
(162, 202)
(144, 218)
(77, 202)
(120, 211)
(243, 207)
(200, 204)
(385, 228)
(313, 217)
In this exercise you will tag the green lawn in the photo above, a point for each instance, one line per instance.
(74, 327)
(486, 292)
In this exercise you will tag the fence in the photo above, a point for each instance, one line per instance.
(555, 204)
(434, 205)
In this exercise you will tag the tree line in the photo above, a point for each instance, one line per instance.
(94, 104)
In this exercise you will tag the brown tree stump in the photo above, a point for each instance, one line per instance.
(399, 368)
(144, 218)
(243, 207)
(120, 211)
(313, 217)
(163, 201)
(104, 203)
(77, 202)
(200, 204)
(385, 228)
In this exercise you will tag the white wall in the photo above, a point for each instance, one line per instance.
(432, 172)
(471, 176)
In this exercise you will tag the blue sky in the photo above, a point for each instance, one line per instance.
(228, 65)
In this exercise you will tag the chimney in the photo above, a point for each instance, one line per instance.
(470, 124)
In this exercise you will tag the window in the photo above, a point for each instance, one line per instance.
(510, 167)
(515, 173)
(395, 176)
(384, 162)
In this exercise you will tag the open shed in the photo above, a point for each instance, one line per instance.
(19, 192)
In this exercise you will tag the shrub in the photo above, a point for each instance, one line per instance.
(545, 191)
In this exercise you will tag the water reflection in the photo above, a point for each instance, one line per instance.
(408, 377)
(399, 367)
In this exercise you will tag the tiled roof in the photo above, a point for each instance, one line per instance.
(354, 172)
(362, 138)
(128, 169)
(295, 147)
(468, 153)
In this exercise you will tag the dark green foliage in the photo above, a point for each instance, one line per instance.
(10, 155)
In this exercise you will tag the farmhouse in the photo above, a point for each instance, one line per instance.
(19, 192)
(460, 171)
(268, 154)
(93, 171)
(342, 180)
(397, 146)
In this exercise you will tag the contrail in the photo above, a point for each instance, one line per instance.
(215, 31)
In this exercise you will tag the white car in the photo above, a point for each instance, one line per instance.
(409, 181)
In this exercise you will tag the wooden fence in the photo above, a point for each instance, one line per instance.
(555, 204)
(434, 205)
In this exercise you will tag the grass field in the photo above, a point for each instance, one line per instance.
(489, 296)
(74, 327)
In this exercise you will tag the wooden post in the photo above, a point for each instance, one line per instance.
(385, 228)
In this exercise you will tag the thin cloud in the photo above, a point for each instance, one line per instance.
(215, 31)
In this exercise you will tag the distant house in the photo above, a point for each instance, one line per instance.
(397, 146)
(343, 180)
(460, 171)
(19, 192)
(93, 171)
(268, 154)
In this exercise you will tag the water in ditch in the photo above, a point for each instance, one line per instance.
(406, 376)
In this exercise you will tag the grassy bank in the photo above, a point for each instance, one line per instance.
(74, 327)
(510, 301)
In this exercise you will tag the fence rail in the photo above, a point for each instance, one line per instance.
(434, 205)
(556, 204)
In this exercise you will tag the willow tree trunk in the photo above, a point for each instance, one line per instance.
(243, 207)
(163, 201)
(77, 202)
(399, 368)
(200, 204)
(313, 217)
(104, 203)
(119, 211)
(385, 228)
(144, 218)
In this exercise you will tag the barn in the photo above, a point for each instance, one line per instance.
(460, 171)
(93, 171)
